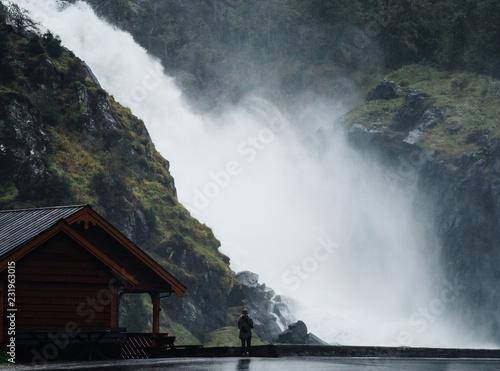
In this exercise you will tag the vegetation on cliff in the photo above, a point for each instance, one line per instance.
(63, 140)
(221, 49)
(467, 102)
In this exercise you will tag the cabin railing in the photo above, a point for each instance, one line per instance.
(100, 343)
(45, 345)
(137, 346)
(144, 345)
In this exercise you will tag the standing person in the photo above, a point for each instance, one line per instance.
(245, 324)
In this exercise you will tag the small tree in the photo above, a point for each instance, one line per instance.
(20, 20)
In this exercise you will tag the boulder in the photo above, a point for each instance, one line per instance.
(411, 112)
(248, 279)
(297, 334)
(385, 90)
(428, 119)
(314, 340)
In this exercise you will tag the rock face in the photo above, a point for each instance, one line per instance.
(467, 211)
(297, 334)
(22, 138)
(460, 199)
(270, 313)
(46, 75)
(411, 113)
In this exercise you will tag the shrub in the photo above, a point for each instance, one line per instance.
(35, 46)
(52, 45)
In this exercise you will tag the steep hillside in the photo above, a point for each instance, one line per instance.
(438, 133)
(63, 140)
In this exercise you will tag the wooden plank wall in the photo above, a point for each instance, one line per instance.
(62, 260)
(54, 305)
(60, 283)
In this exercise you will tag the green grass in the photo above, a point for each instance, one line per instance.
(469, 102)
(183, 336)
(375, 113)
(8, 193)
(229, 336)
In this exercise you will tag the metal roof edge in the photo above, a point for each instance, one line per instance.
(45, 208)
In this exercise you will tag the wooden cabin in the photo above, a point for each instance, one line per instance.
(62, 269)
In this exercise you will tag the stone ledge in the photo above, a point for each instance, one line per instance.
(290, 350)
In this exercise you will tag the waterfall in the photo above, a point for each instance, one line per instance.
(285, 195)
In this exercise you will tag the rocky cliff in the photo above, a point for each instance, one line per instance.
(438, 134)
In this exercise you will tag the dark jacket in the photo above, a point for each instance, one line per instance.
(245, 324)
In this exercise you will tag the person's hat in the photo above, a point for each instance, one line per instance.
(244, 311)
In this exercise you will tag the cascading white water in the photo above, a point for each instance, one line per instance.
(308, 215)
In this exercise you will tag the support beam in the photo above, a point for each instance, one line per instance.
(2, 293)
(114, 306)
(155, 298)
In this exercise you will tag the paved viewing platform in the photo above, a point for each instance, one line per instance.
(297, 357)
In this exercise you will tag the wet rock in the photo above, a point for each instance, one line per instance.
(83, 99)
(270, 313)
(21, 136)
(86, 123)
(90, 74)
(46, 75)
(297, 334)
(31, 174)
(105, 111)
(411, 112)
(248, 279)
(314, 340)
(385, 90)
(479, 136)
(202, 309)
(428, 119)
(455, 129)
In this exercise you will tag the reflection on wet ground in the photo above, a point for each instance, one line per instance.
(279, 364)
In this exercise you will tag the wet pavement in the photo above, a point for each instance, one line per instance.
(280, 364)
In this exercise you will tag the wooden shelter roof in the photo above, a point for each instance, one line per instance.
(22, 231)
(17, 227)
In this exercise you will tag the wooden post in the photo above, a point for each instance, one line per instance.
(114, 306)
(2, 294)
(155, 298)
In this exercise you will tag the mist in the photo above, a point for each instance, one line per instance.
(286, 196)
